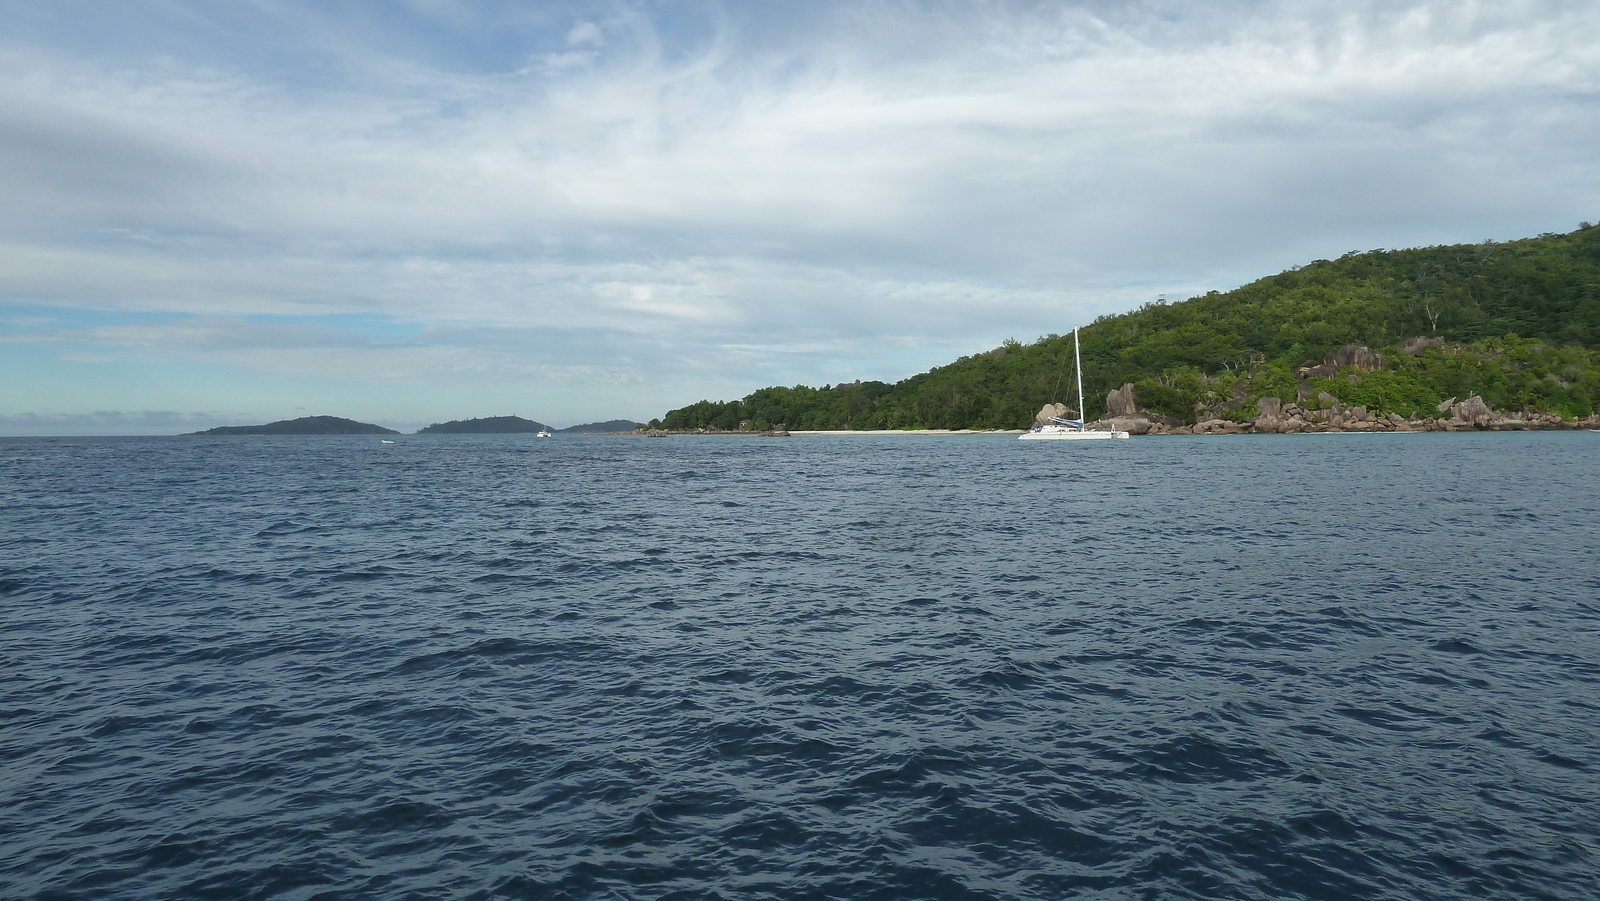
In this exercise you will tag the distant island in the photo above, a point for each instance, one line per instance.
(1497, 335)
(491, 425)
(601, 428)
(305, 425)
(516, 425)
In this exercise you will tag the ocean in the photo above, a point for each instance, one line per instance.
(1339, 666)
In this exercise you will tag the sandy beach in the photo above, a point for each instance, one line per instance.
(869, 432)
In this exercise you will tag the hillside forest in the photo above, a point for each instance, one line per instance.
(1517, 323)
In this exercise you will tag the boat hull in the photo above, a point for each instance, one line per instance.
(1070, 435)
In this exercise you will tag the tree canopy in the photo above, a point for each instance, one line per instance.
(1518, 323)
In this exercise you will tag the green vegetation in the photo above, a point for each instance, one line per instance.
(305, 425)
(599, 428)
(1518, 323)
(490, 425)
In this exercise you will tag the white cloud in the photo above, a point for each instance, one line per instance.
(584, 33)
(912, 176)
(113, 422)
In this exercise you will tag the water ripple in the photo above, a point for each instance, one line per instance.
(492, 667)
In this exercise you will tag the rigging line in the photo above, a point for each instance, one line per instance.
(1056, 391)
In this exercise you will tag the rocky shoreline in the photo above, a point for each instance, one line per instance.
(1278, 418)
(1274, 417)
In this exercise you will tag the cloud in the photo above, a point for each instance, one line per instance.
(814, 181)
(584, 33)
(202, 334)
(112, 422)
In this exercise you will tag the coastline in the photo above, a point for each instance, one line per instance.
(1215, 428)
(1274, 417)
(906, 431)
(780, 432)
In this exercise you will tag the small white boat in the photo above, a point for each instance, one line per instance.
(384, 441)
(1070, 429)
(543, 433)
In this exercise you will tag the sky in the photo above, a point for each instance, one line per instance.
(405, 212)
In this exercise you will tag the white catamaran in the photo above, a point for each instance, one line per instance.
(1070, 429)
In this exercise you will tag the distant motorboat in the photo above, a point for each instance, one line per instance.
(384, 441)
(1070, 429)
(543, 433)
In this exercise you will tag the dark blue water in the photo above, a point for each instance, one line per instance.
(1335, 666)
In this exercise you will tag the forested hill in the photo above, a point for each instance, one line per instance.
(491, 425)
(305, 425)
(1517, 323)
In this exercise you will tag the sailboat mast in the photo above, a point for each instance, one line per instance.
(1077, 362)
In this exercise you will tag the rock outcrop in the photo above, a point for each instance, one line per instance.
(1361, 358)
(1356, 356)
(1317, 410)
(1137, 424)
(1276, 417)
(1059, 411)
(1474, 412)
(1218, 427)
(1270, 415)
(1121, 403)
(1124, 414)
